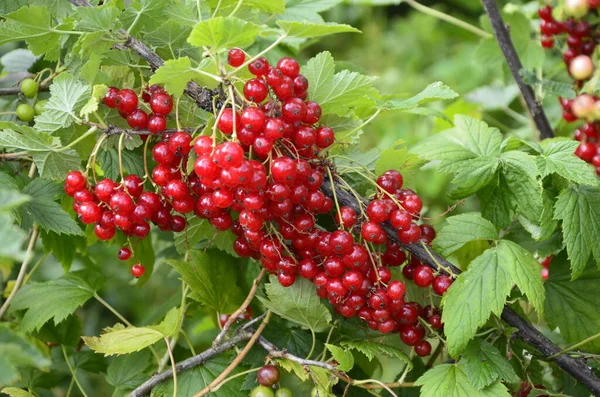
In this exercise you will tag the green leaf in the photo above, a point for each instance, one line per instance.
(472, 175)
(552, 87)
(474, 295)
(433, 92)
(67, 332)
(223, 32)
(171, 37)
(174, 75)
(24, 138)
(127, 372)
(124, 340)
(344, 358)
(209, 276)
(579, 209)
(11, 199)
(97, 19)
(372, 349)
(307, 30)
(347, 131)
(16, 352)
(15, 392)
(574, 306)
(11, 248)
(494, 97)
(450, 380)
(307, 10)
(559, 158)
(34, 25)
(497, 203)
(397, 157)
(142, 15)
(298, 304)
(522, 177)
(55, 299)
(109, 162)
(201, 234)
(462, 229)
(531, 53)
(67, 96)
(43, 210)
(338, 92)
(63, 247)
(98, 93)
(195, 379)
(55, 165)
(18, 60)
(484, 364)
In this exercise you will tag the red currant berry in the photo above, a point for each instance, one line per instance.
(111, 97)
(137, 270)
(423, 348)
(157, 124)
(294, 109)
(161, 103)
(325, 137)
(441, 284)
(226, 124)
(423, 276)
(124, 253)
(289, 67)
(259, 67)
(255, 90)
(126, 101)
(236, 57)
(137, 119)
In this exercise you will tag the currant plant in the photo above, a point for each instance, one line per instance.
(220, 231)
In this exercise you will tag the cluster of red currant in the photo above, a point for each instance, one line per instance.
(581, 41)
(546, 267)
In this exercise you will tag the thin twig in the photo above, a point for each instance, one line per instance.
(17, 90)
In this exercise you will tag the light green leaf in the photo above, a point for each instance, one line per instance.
(462, 229)
(307, 30)
(522, 177)
(483, 364)
(174, 75)
(372, 349)
(98, 92)
(397, 157)
(97, 19)
(16, 352)
(11, 248)
(201, 234)
(209, 276)
(43, 210)
(18, 60)
(11, 199)
(338, 92)
(55, 165)
(472, 175)
(552, 87)
(171, 38)
(433, 92)
(493, 97)
(307, 10)
(574, 306)
(124, 340)
(474, 295)
(55, 299)
(142, 15)
(347, 131)
(67, 96)
(449, 380)
(223, 32)
(344, 358)
(579, 210)
(25, 138)
(298, 304)
(559, 158)
(15, 392)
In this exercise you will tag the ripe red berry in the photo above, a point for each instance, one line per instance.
(137, 119)
(255, 90)
(161, 103)
(396, 289)
(134, 185)
(157, 124)
(253, 119)
(137, 270)
(289, 67)
(410, 335)
(348, 217)
(423, 276)
(259, 67)
(268, 375)
(226, 124)
(423, 348)
(441, 284)
(89, 212)
(180, 143)
(203, 145)
(236, 57)
(410, 235)
(126, 101)
(325, 137)
(124, 253)
(111, 97)
(228, 155)
(294, 109)
(75, 180)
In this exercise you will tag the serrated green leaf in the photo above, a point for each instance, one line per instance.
(15, 392)
(472, 175)
(36, 26)
(307, 30)
(18, 60)
(298, 304)
(201, 234)
(433, 92)
(307, 10)
(98, 92)
(552, 87)
(223, 32)
(483, 364)
(11, 199)
(338, 92)
(209, 276)
(55, 165)
(462, 229)
(344, 358)
(63, 247)
(372, 349)
(144, 14)
(531, 53)
(522, 177)
(55, 299)
(67, 96)
(474, 295)
(497, 203)
(67, 332)
(18, 352)
(559, 158)
(11, 248)
(124, 340)
(545, 227)
(44, 211)
(397, 157)
(292, 366)
(170, 39)
(449, 380)
(25, 138)
(578, 207)
(174, 75)
(109, 162)
(127, 372)
(95, 19)
(574, 306)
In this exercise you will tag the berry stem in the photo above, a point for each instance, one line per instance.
(575, 346)
(173, 366)
(232, 377)
(89, 132)
(64, 350)
(335, 200)
(207, 74)
(120, 152)
(177, 115)
(237, 7)
(447, 18)
(440, 266)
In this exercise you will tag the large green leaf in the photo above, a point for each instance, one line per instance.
(223, 32)
(144, 14)
(559, 158)
(211, 276)
(174, 75)
(124, 340)
(450, 380)
(307, 10)
(55, 299)
(579, 210)
(67, 96)
(574, 306)
(337, 92)
(462, 229)
(307, 30)
(484, 364)
(16, 351)
(95, 19)
(127, 372)
(299, 304)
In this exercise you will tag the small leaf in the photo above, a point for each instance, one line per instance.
(98, 92)
(174, 75)
(433, 92)
(94, 19)
(308, 30)
(462, 229)
(55, 299)
(371, 349)
(559, 158)
(298, 303)
(15, 392)
(223, 32)
(552, 87)
(483, 364)
(124, 340)
(344, 358)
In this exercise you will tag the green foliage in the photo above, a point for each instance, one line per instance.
(450, 380)
(372, 349)
(344, 358)
(462, 229)
(18, 351)
(483, 364)
(223, 33)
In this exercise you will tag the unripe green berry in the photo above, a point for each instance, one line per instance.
(25, 112)
(29, 88)
(284, 392)
(581, 67)
(39, 106)
(262, 391)
(576, 8)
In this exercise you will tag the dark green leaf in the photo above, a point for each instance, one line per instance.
(483, 364)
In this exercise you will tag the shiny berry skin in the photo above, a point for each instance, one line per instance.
(294, 109)
(410, 335)
(407, 315)
(268, 375)
(547, 41)
(435, 321)
(412, 203)
(379, 300)
(121, 203)
(325, 137)
(427, 233)
(586, 151)
(157, 124)
(111, 97)
(423, 348)
(256, 90)
(225, 123)
(284, 90)
(124, 253)
(400, 219)
(203, 145)
(274, 129)
(177, 223)
(259, 67)
(396, 289)
(133, 185)
(313, 113)
(253, 119)
(341, 242)
(180, 143)
(89, 212)
(176, 190)
(228, 155)
(104, 233)
(104, 189)
(283, 170)
(300, 84)
(348, 217)
(289, 67)
(581, 67)
(236, 57)
(371, 232)
(307, 268)
(137, 270)
(441, 284)
(410, 235)
(423, 276)
(162, 154)
(137, 119)
(161, 103)
(126, 101)
(75, 180)
(546, 13)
